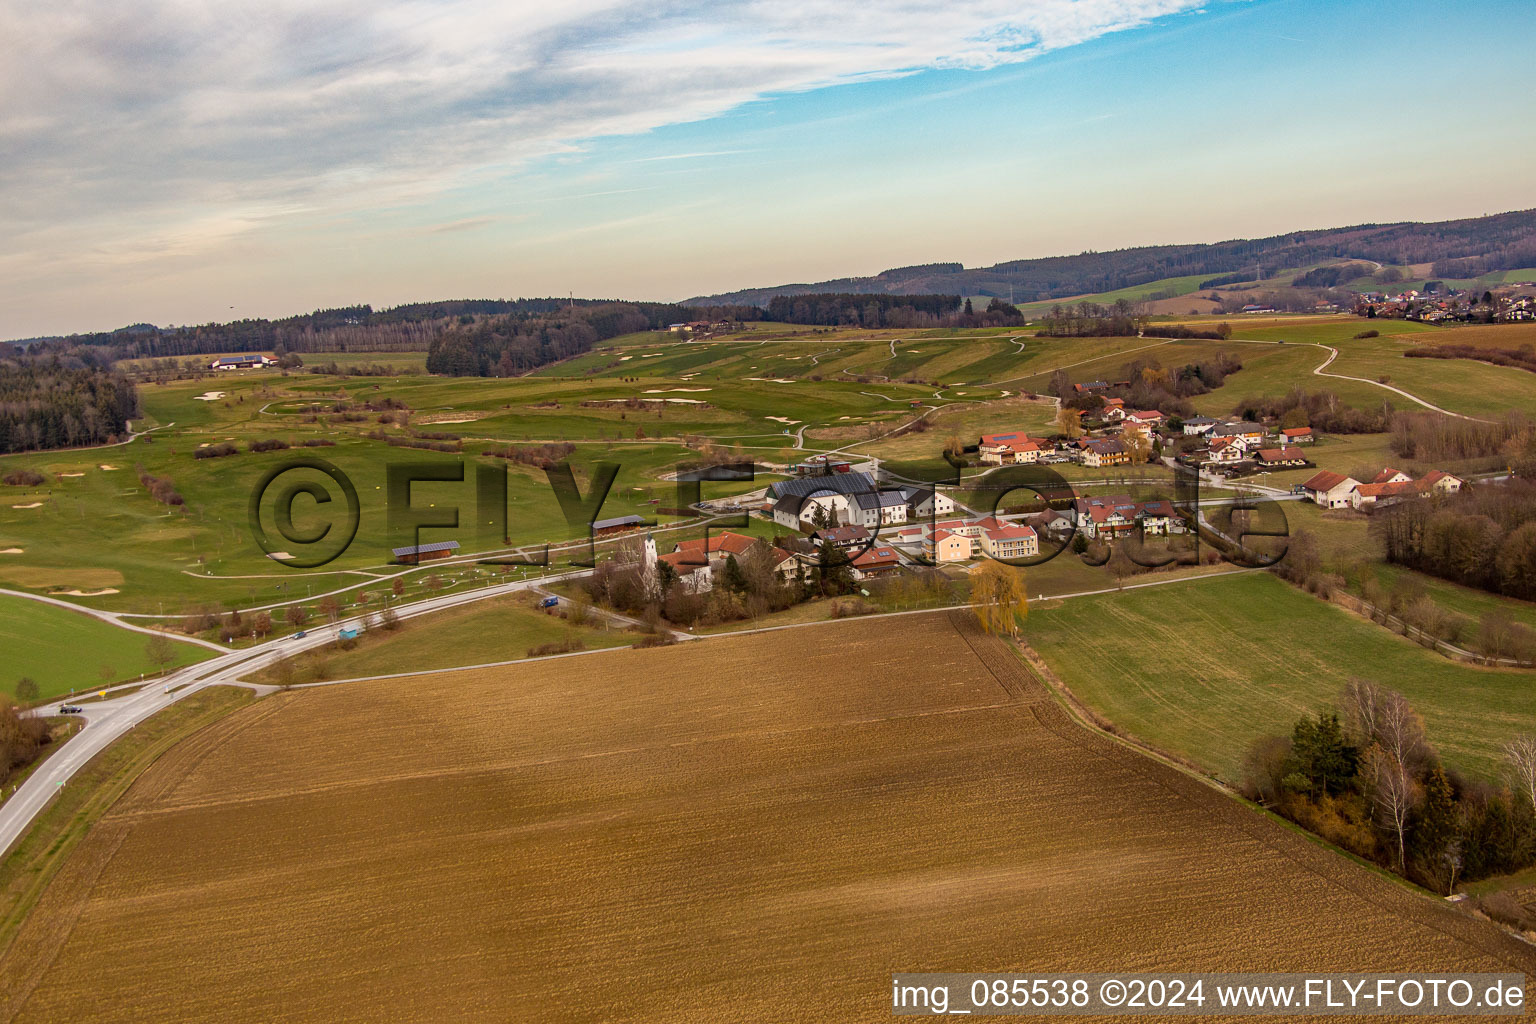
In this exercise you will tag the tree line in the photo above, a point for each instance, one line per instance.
(1366, 777)
(845, 309)
(1468, 247)
(1483, 537)
(511, 344)
(50, 403)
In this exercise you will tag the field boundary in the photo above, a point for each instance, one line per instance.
(74, 827)
(1311, 853)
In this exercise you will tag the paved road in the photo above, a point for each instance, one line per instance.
(115, 618)
(107, 720)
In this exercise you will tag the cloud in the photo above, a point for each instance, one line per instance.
(176, 122)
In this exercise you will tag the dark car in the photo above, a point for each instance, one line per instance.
(70, 709)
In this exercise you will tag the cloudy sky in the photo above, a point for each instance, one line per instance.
(179, 161)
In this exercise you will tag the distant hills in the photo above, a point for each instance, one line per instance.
(1455, 248)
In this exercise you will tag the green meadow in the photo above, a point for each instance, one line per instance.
(64, 651)
(1204, 668)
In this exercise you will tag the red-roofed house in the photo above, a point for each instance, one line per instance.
(1330, 490)
(877, 561)
(1437, 482)
(1010, 542)
(1281, 457)
(1297, 435)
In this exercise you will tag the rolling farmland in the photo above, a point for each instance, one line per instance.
(1205, 671)
(704, 840)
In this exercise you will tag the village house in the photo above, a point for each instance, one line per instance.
(878, 508)
(1297, 435)
(1437, 482)
(1105, 453)
(1109, 516)
(1197, 425)
(960, 540)
(1273, 457)
(1009, 541)
(1393, 485)
(1330, 490)
(1252, 433)
(699, 560)
(877, 561)
(1114, 410)
(1010, 453)
(1226, 450)
(843, 536)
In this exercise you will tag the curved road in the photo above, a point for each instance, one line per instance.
(107, 720)
(1333, 354)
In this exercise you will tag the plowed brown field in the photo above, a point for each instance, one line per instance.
(759, 828)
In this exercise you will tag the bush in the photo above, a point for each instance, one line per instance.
(216, 451)
(849, 607)
(1368, 334)
(271, 444)
(24, 478)
(570, 643)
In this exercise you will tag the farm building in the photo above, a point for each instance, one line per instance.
(820, 465)
(414, 554)
(253, 362)
(1330, 490)
(618, 524)
(1297, 435)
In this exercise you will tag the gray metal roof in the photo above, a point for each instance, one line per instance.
(608, 524)
(834, 483)
(425, 549)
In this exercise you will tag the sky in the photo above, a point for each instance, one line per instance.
(186, 161)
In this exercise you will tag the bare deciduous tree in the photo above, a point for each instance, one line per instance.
(1393, 796)
(1520, 756)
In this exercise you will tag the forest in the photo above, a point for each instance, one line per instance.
(505, 345)
(1483, 537)
(846, 309)
(50, 403)
(407, 328)
(1458, 248)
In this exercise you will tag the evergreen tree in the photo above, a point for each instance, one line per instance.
(1322, 755)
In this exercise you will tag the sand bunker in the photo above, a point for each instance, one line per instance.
(89, 593)
(71, 474)
(11, 551)
(280, 555)
(680, 401)
(771, 380)
(208, 396)
(35, 504)
(781, 419)
(106, 468)
(662, 391)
